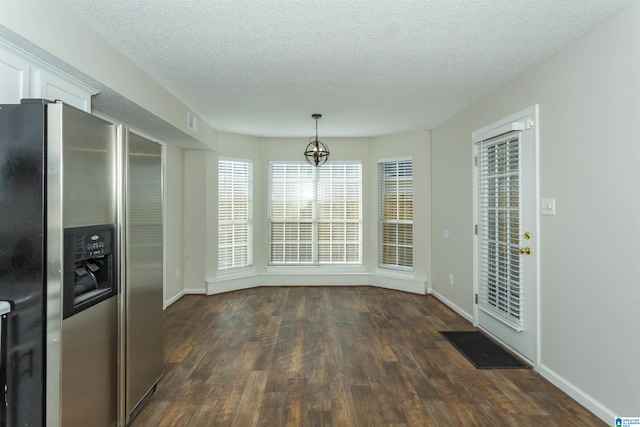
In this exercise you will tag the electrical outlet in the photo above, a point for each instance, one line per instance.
(451, 279)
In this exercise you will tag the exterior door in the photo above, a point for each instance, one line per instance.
(506, 231)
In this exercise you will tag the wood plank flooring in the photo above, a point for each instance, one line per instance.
(336, 356)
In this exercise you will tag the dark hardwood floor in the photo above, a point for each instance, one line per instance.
(336, 356)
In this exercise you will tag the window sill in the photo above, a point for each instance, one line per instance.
(397, 273)
(316, 269)
(235, 273)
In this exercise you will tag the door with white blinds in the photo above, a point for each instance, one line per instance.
(505, 251)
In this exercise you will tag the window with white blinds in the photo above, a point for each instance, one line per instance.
(395, 226)
(499, 227)
(235, 186)
(315, 213)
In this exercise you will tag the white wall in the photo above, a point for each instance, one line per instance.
(174, 223)
(416, 145)
(200, 227)
(589, 98)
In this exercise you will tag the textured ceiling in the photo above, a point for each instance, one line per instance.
(371, 67)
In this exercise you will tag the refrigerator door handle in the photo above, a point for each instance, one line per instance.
(5, 309)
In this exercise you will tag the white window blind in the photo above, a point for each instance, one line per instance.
(395, 226)
(315, 213)
(499, 227)
(234, 213)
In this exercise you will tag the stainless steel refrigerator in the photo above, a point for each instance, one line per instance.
(59, 266)
(143, 272)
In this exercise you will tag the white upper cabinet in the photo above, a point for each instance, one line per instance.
(23, 76)
(14, 78)
(51, 86)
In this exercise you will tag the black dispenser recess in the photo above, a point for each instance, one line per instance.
(89, 267)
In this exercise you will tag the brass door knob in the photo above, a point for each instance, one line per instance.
(525, 250)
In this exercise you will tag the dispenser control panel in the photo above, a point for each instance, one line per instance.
(92, 245)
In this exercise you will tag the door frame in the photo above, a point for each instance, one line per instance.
(496, 128)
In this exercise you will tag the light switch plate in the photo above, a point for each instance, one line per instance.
(548, 206)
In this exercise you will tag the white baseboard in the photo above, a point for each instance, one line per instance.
(398, 283)
(452, 306)
(232, 284)
(601, 411)
(314, 279)
(173, 299)
(180, 294)
(330, 279)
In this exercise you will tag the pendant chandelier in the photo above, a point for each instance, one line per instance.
(317, 152)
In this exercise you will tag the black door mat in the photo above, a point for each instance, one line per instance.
(482, 352)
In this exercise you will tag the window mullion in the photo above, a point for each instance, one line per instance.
(314, 220)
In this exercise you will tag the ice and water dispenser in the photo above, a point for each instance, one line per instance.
(90, 267)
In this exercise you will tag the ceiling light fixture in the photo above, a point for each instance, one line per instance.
(317, 152)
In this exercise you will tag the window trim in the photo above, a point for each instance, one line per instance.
(381, 221)
(315, 219)
(249, 221)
